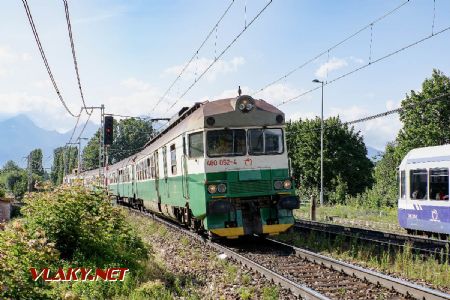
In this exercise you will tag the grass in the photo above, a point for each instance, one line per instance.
(386, 215)
(403, 263)
(381, 219)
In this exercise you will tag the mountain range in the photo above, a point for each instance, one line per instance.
(19, 135)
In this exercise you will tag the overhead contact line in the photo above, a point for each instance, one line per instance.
(370, 25)
(220, 55)
(367, 65)
(75, 63)
(193, 56)
(44, 58)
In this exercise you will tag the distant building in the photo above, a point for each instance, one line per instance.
(5, 209)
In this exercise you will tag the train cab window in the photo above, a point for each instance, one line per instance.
(418, 180)
(439, 184)
(173, 159)
(196, 148)
(265, 141)
(229, 142)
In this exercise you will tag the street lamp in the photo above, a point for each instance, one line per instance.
(321, 144)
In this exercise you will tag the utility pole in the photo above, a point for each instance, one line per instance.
(101, 151)
(79, 153)
(30, 174)
(321, 144)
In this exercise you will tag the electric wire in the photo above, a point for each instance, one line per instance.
(75, 63)
(194, 55)
(366, 65)
(332, 47)
(44, 58)
(220, 55)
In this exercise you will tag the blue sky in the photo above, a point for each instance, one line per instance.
(130, 51)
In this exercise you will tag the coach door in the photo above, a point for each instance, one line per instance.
(184, 171)
(166, 183)
(156, 174)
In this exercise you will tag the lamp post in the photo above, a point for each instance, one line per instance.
(321, 144)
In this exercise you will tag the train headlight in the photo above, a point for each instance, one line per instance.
(278, 185)
(287, 184)
(245, 103)
(212, 188)
(222, 188)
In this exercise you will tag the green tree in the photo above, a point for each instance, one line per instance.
(65, 159)
(426, 123)
(130, 135)
(17, 182)
(385, 189)
(347, 170)
(36, 162)
(10, 166)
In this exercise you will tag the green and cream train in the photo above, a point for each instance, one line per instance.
(220, 166)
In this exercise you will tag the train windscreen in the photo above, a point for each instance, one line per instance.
(231, 142)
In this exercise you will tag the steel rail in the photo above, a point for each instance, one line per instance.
(403, 287)
(296, 288)
(424, 245)
(399, 285)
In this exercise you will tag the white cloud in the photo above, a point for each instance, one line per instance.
(133, 83)
(197, 66)
(8, 57)
(378, 132)
(332, 65)
(46, 112)
(43, 84)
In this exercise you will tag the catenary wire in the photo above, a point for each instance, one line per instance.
(220, 55)
(193, 56)
(44, 58)
(332, 47)
(75, 63)
(366, 65)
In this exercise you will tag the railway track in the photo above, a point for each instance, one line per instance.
(309, 275)
(420, 244)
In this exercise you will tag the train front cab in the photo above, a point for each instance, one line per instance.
(248, 187)
(423, 204)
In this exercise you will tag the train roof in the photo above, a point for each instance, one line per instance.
(427, 154)
(225, 112)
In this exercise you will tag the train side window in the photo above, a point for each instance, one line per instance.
(439, 184)
(402, 185)
(152, 167)
(196, 148)
(173, 159)
(418, 180)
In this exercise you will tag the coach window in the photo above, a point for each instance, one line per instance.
(196, 148)
(439, 184)
(173, 159)
(418, 180)
(229, 142)
(402, 185)
(152, 167)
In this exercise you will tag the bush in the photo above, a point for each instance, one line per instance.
(69, 228)
(85, 227)
(20, 250)
(2, 193)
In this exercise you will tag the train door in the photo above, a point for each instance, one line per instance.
(156, 174)
(133, 181)
(166, 187)
(184, 171)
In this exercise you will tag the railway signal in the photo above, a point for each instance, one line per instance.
(108, 130)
